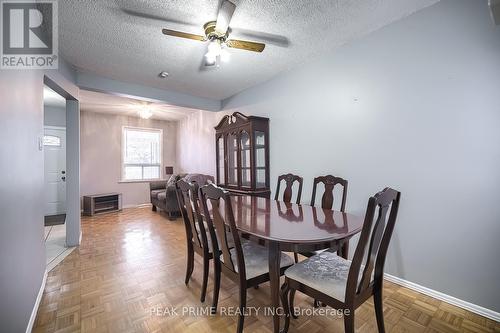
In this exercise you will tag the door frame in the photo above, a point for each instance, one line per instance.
(73, 206)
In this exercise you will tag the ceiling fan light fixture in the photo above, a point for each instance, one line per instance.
(217, 34)
(210, 59)
(214, 47)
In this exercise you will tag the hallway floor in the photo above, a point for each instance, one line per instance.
(55, 245)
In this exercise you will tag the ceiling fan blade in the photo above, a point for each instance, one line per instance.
(226, 11)
(245, 45)
(182, 34)
(268, 38)
(154, 17)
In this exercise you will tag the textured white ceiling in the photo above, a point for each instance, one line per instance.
(111, 104)
(100, 37)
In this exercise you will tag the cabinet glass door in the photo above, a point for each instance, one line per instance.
(246, 167)
(220, 149)
(260, 159)
(232, 160)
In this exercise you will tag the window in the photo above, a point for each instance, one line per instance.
(51, 140)
(141, 153)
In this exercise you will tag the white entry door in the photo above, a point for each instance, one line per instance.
(54, 144)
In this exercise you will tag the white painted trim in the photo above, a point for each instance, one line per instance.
(445, 298)
(37, 304)
(137, 205)
(54, 127)
(57, 260)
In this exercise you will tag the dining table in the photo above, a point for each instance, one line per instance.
(290, 227)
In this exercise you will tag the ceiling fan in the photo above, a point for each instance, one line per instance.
(217, 33)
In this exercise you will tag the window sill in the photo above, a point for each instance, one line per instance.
(124, 181)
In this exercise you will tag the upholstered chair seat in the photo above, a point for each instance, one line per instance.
(256, 259)
(326, 272)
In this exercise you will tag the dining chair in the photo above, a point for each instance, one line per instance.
(327, 200)
(287, 193)
(343, 284)
(196, 233)
(247, 262)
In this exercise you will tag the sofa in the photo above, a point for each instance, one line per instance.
(164, 196)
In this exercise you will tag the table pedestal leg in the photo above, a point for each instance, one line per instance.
(274, 279)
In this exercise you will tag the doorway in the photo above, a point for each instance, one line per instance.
(54, 148)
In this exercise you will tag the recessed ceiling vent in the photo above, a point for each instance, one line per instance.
(495, 10)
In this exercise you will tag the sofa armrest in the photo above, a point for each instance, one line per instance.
(158, 185)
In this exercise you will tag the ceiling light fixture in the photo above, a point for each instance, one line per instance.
(145, 112)
(214, 50)
(163, 75)
(217, 52)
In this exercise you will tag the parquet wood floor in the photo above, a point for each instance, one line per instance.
(128, 276)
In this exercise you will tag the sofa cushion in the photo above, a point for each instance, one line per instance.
(154, 193)
(162, 196)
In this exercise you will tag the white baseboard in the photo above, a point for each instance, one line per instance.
(445, 298)
(37, 304)
(136, 206)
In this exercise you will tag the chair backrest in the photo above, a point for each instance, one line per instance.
(289, 180)
(327, 199)
(373, 242)
(187, 197)
(219, 216)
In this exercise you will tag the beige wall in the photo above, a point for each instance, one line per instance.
(101, 136)
(196, 142)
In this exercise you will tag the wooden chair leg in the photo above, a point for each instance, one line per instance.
(206, 269)
(243, 304)
(190, 263)
(343, 251)
(379, 313)
(291, 299)
(296, 257)
(217, 273)
(284, 300)
(349, 322)
(154, 208)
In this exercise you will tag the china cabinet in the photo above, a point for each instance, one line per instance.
(242, 154)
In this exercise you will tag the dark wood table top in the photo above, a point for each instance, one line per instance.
(292, 223)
